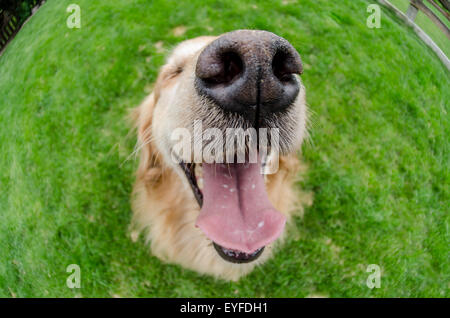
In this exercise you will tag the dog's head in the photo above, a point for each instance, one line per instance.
(216, 100)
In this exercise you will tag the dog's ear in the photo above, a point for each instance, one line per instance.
(150, 168)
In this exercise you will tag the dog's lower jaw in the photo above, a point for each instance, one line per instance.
(165, 210)
(173, 237)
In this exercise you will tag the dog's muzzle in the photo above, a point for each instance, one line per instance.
(249, 72)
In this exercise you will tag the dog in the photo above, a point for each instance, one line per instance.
(220, 219)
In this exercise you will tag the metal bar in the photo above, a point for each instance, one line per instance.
(412, 12)
(422, 7)
(445, 13)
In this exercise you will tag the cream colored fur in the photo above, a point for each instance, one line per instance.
(164, 207)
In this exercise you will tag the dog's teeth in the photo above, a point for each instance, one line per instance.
(198, 171)
(200, 183)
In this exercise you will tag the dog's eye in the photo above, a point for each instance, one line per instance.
(177, 71)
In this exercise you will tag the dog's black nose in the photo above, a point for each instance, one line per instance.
(249, 71)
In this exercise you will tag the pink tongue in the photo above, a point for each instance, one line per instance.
(236, 212)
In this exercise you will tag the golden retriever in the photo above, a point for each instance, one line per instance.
(218, 217)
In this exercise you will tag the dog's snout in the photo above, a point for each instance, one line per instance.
(244, 70)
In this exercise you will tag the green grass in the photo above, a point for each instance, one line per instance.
(378, 161)
(427, 25)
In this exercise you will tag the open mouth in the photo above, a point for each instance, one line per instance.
(236, 213)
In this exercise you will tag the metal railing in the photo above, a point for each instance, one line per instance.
(443, 6)
(13, 13)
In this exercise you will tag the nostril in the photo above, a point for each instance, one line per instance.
(279, 68)
(284, 65)
(230, 66)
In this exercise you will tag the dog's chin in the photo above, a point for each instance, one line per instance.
(238, 257)
(219, 225)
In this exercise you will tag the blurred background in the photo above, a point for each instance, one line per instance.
(377, 156)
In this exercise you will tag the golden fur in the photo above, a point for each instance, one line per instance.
(164, 207)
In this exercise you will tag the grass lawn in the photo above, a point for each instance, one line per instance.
(378, 160)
